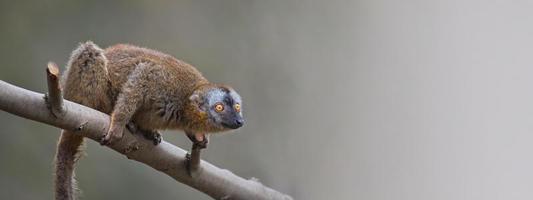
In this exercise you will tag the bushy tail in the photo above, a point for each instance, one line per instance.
(68, 152)
(85, 81)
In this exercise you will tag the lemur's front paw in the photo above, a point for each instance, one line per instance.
(114, 134)
(201, 140)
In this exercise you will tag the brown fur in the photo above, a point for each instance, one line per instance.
(135, 84)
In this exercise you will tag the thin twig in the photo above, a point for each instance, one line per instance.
(54, 98)
(193, 159)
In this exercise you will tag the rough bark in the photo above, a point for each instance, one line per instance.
(165, 157)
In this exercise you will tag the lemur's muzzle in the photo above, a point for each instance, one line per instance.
(235, 124)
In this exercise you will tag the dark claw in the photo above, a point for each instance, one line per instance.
(188, 161)
(188, 164)
(147, 134)
(198, 144)
(103, 141)
(156, 138)
(152, 135)
(202, 144)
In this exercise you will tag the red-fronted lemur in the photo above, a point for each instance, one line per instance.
(143, 88)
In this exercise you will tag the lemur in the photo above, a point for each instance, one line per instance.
(143, 88)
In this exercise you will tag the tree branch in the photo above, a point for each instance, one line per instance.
(165, 157)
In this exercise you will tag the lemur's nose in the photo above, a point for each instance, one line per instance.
(239, 122)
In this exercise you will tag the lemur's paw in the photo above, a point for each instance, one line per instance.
(156, 138)
(152, 135)
(201, 140)
(113, 135)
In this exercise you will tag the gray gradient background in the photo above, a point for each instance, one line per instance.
(371, 100)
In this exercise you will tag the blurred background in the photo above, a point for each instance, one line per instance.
(370, 99)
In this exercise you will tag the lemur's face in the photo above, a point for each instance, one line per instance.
(223, 106)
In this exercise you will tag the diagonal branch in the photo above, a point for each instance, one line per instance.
(165, 157)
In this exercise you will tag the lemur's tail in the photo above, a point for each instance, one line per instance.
(85, 81)
(68, 152)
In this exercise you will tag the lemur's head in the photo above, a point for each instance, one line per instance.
(221, 105)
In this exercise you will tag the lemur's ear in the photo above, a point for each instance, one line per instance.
(197, 100)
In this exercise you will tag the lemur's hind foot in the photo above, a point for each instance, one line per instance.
(152, 135)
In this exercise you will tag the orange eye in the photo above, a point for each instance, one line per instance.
(219, 107)
(237, 107)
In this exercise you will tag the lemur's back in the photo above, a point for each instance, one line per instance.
(123, 58)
